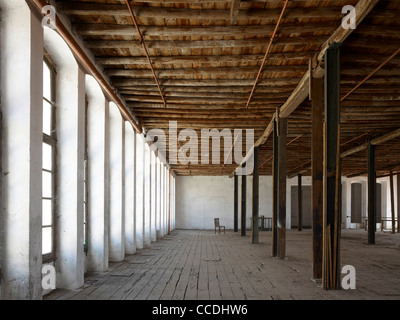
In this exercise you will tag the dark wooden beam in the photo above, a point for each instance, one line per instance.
(206, 44)
(282, 159)
(117, 10)
(371, 193)
(173, 60)
(317, 103)
(191, 72)
(377, 141)
(331, 272)
(299, 204)
(166, 31)
(392, 203)
(236, 204)
(275, 190)
(137, 83)
(255, 204)
(243, 211)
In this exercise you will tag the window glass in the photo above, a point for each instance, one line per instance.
(47, 107)
(46, 82)
(47, 240)
(47, 184)
(47, 212)
(47, 153)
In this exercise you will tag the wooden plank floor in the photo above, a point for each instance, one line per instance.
(202, 265)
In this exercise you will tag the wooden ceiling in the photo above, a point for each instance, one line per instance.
(206, 56)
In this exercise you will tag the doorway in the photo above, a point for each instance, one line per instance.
(306, 206)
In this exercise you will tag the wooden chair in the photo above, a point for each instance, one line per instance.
(217, 225)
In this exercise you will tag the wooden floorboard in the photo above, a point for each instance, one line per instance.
(202, 265)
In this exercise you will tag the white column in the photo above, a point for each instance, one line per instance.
(172, 203)
(165, 200)
(153, 193)
(70, 165)
(147, 198)
(168, 217)
(98, 176)
(162, 203)
(130, 224)
(21, 45)
(158, 200)
(139, 191)
(117, 204)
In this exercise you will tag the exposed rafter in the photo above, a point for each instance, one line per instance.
(141, 40)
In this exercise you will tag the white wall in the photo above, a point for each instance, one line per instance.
(200, 199)
(386, 205)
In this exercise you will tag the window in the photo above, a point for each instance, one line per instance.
(48, 163)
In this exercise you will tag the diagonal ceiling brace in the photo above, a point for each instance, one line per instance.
(370, 75)
(267, 52)
(141, 40)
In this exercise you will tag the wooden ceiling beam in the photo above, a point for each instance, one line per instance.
(221, 73)
(207, 96)
(223, 1)
(215, 106)
(203, 101)
(377, 141)
(204, 44)
(120, 82)
(162, 31)
(224, 83)
(186, 91)
(173, 60)
(204, 115)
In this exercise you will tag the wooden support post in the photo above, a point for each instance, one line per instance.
(299, 204)
(371, 194)
(392, 203)
(254, 229)
(331, 224)
(275, 191)
(243, 213)
(282, 127)
(317, 107)
(236, 204)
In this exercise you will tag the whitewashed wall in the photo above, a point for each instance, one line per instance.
(200, 199)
